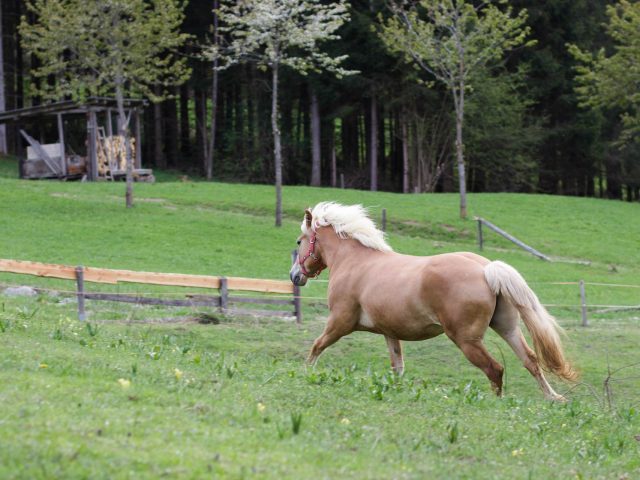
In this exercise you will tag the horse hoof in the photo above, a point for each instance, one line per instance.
(557, 398)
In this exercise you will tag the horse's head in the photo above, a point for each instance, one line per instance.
(308, 263)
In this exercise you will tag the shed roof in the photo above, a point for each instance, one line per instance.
(68, 106)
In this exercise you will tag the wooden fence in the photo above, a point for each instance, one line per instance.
(223, 301)
(511, 238)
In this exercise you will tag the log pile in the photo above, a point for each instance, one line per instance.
(112, 155)
(112, 159)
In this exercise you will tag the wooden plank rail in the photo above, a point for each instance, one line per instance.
(110, 276)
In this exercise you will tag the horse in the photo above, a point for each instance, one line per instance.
(407, 298)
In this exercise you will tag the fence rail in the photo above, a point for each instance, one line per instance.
(481, 221)
(83, 274)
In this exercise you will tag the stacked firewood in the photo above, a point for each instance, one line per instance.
(112, 155)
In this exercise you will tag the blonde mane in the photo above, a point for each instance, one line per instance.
(348, 221)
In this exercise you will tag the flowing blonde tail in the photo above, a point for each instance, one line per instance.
(505, 280)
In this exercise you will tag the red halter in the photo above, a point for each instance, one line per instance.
(310, 253)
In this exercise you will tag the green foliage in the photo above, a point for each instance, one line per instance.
(93, 48)
(502, 134)
(610, 81)
(452, 39)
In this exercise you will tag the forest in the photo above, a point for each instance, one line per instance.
(529, 124)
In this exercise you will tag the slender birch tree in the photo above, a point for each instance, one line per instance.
(117, 48)
(277, 33)
(450, 40)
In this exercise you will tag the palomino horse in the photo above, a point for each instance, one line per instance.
(404, 297)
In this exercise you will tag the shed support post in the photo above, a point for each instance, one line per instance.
(63, 159)
(109, 123)
(480, 239)
(93, 145)
(138, 163)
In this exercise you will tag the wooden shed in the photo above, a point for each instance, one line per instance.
(101, 155)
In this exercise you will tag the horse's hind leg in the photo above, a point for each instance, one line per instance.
(505, 323)
(477, 354)
(395, 352)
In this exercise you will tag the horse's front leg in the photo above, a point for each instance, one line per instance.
(395, 352)
(337, 327)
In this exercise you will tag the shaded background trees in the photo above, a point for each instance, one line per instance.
(526, 128)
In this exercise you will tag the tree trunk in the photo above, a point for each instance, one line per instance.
(459, 100)
(212, 130)
(277, 149)
(315, 141)
(9, 40)
(158, 135)
(185, 134)
(19, 65)
(334, 166)
(214, 101)
(373, 150)
(405, 155)
(123, 130)
(171, 131)
(3, 128)
(200, 113)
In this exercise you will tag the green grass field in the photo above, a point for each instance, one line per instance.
(130, 395)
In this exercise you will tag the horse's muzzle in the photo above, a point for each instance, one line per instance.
(296, 276)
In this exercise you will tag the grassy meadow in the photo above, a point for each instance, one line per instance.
(130, 394)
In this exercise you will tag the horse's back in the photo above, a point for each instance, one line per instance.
(402, 293)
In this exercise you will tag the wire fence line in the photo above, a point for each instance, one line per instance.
(584, 306)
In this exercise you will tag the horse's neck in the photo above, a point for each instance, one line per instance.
(335, 250)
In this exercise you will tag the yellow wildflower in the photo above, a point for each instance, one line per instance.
(345, 421)
(178, 373)
(124, 383)
(261, 407)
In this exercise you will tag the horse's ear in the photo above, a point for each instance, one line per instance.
(308, 218)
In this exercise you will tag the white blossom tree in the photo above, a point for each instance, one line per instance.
(276, 33)
(451, 40)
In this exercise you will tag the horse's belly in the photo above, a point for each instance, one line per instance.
(417, 331)
(419, 327)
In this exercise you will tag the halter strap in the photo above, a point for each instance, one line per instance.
(310, 253)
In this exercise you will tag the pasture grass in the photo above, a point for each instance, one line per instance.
(114, 398)
(234, 400)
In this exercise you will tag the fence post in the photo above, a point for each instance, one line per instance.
(224, 294)
(480, 239)
(342, 181)
(583, 302)
(384, 219)
(297, 304)
(82, 316)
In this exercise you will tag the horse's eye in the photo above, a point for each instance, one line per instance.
(299, 242)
